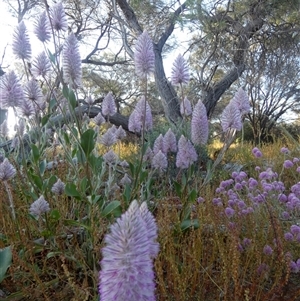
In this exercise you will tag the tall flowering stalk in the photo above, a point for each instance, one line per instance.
(127, 268)
(199, 124)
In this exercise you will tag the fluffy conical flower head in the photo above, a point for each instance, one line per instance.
(108, 138)
(109, 105)
(180, 71)
(241, 100)
(41, 65)
(136, 119)
(158, 144)
(126, 268)
(4, 129)
(186, 154)
(58, 187)
(199, 124)
(144, 58)
(58, 17)
(11, 92)
(27, 108)
(170, 143)
(99, 119)
(151, 229)
(7, 170)
(120, 133)
(231, 118)
(159, 161)
(185, 107)
(110, 157)
(39, 207)
(21, 43)
(42, 28)
(72, 72)
(33, 92)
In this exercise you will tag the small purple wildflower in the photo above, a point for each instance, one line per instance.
(267, 250)
(144, 58)
(288, 164)
(262, 269)
(200, 200)
(288, 236)
(42, 28)
(39, 207)
(180, 71)
(199, 124)
(58, 17)
(295, 229)
(72, 72)
(284, 150)
(109, 105)
(229, 212)
(21, 44)
(256, 152)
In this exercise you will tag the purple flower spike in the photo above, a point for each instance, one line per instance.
(241, 100)
(109, 105)
(180, 71)
(21, 44)
(159, 161)
(110, 157)
(151, 229)
(11, 92)
(58, 187)
(199, 124)
(158, 144)
(39, 207)
(108, 138)
(33, 92)
(42, 28)
(58, 17)
(136, 119)
(231, 118)
(170, 143)
(186, 154)
(41, 65)
(7, 170)
(72, 62)
(4, 129)
(144, 58)
(127, 268)
(185, 107)
(125, 180)
(99, 119)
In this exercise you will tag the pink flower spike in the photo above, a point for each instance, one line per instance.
(231, 118)
(180, 71)
(144, 58)
(42, 28)
(185, 107)
(58, 17)
(186, 154)
(72, 72)
(109, 105)
(241, 100)
(169, 143)
(199, 124)
(21, 44)
(159, 161)
(158, 144)
(41, 66)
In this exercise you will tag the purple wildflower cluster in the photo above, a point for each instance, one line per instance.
(242, 195)
(127, 268)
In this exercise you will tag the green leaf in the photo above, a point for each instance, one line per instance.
(177, 188)
(192, 196)
(72, 99)
(35, 153)
(66, 137)
(45, 119)
(65, 92)
(52, 104)
(37, 181)
(127, 194)
(55, 215)
(87, 141)
(51, 57)
(43, 165)
(5, 260)
(72, 191)
(189, 223)
(83, 184)
(71, 222)
(113, 208)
